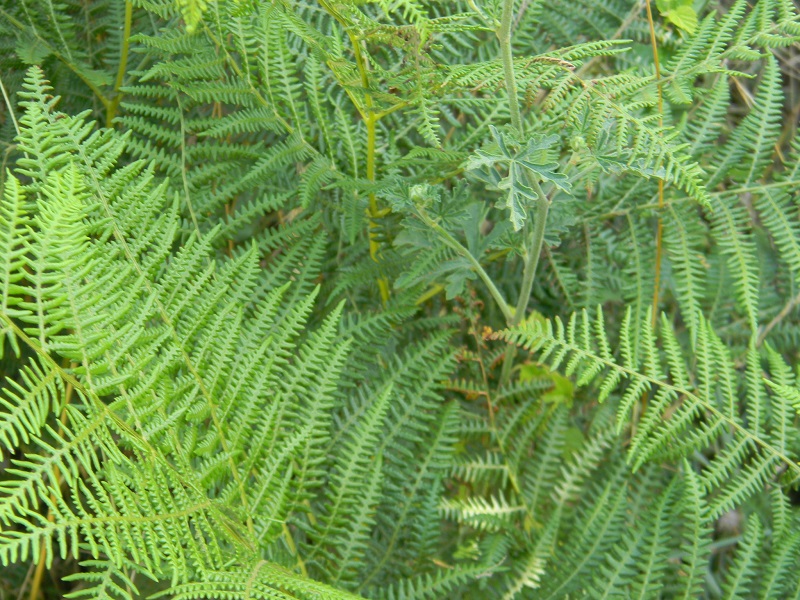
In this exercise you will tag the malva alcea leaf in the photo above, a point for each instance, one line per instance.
(529, 161)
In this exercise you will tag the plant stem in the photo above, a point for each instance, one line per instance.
(111, 108)
(36, 584)
(504, 35)
(374, 211)
(371, 119)
(287, 536)
(9, 106)
(660, 225)
(534, 251)
(533, 245)
(476, 265)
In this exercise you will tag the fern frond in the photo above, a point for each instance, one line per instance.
(749, 148)
(105, 581)
(152, 358)
(582, 345)
(739, 581)
(15, 221)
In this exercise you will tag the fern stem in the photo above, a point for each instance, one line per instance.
(491, 407)
(293, 549)
(186, 194)
(111, 111)
(659, 222)
(36, 582)
(453, 243)
(7, 100)
(371, 120)
(374, 211)
(659, 254)
(660, 225)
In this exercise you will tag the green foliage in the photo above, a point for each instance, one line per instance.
(680, 13)
(399, 299)
(518, 164)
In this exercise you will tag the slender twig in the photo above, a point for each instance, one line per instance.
(24, 586)
(481, 15)
(629, 19)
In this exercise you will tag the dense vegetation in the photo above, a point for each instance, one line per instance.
(399, 299)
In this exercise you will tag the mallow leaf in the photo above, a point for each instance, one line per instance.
(506, 166)
(518, 196)
(680, 13)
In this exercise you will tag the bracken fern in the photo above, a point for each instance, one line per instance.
(399, 299)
